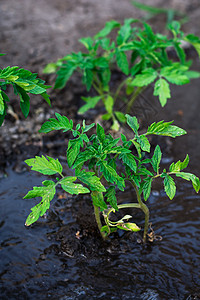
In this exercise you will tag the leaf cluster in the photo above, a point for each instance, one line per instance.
(103, 165)
(24, 83)
(139, 53)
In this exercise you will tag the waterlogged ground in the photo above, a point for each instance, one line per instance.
(62, 256)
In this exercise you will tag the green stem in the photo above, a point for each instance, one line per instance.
(133, 98)
(100, 91)
(98, 220)
(98, 87)
(126, 205)
(145, 210)
(119, 88)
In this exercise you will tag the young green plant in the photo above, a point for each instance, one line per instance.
(103, 166)
(24, 83)
(139, 53)
(152, 11)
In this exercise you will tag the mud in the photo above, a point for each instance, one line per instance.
(34, 33)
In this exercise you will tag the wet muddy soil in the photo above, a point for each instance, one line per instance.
(34, 33)
(63, 257)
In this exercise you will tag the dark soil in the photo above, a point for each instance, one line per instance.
(62, 256)
(36, 33)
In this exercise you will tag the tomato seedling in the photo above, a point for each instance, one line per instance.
(139, 53)
(104, 165)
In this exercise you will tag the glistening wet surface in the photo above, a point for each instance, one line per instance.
(35, 263)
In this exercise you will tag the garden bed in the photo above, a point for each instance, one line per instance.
(62, 256)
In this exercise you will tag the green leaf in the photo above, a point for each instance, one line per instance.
(125, 31)
(105, 75)
(175, 74)
(46, 166)
(145, 78)
(174, 26)
(135, 54)
(87, 42)
(178, 79)
(50, 68)
(194, 41)
(111, 197)
(98, 200)
(106, 117)
(5, 97)
(148, 30)
(176, 167)
(92, 181)
(120, 116)
(192, 74)
(129, 227)
(86, 128)
(88, 78)
(156, 158)
(108, 229)
(188, 176)
(37, 90)
(123, 138)
(73, 188)
(62, 123)
(7, 72)
(144, 171)
(138, 148)
(46, 98)
(138, 67)
(109, 145)
(2, 106)
(111, 175)
(191, 38)
(109, 104)
(47, 193)
(91, 102)
(161, 89)
(23, 82)
(101, 62)
(2, 117)
(122, 62)
(129, 160)
(105, 43)
(25, 101)
(149, 8)
(25, 105)
(165, 129)
(64, 74)
(133, 123)
(169, 186)
(73, 150)
(126, 217)
(146, 187)
(180, 52)
(109, 26)
(115, 126)
(144, 143)
(83, 157)
(100, 133)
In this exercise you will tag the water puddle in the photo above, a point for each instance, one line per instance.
(35, 263)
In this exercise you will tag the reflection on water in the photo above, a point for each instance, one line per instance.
(31, 266)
